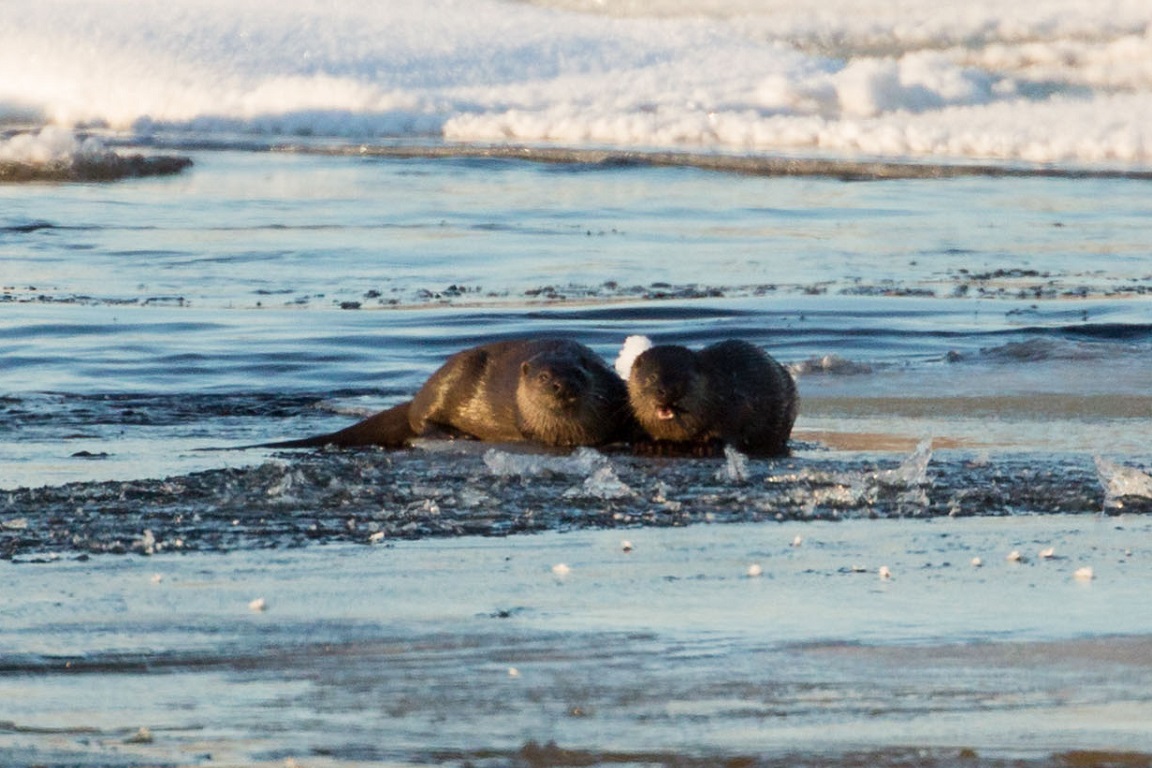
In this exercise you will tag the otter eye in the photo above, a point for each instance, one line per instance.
(543, 378)
(651, 379)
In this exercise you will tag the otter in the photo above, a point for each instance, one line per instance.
(555, 392)
(729, 393)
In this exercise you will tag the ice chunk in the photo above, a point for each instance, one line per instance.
(906, 485)
(582, 461)
(147, 542)
(1120, 481)
(829, 364)
(602, 484)
(142, 736)
(633, 347)
(735, 469)
(912, 472)
(283, 480)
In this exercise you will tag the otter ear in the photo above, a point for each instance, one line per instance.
(524, 367)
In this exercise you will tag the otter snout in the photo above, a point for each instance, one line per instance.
(666, 397)
(663, 402)
(664, 388)
(556, 386)
(564, 390)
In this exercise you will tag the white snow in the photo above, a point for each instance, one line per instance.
(48, 146)
(1049, 81)
(632, 348)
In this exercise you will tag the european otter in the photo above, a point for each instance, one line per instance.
(729, 392)
(551, 391)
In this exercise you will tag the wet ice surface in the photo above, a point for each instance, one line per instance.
(463, 488)
(481, 651)
(469, 604)
(475, 605)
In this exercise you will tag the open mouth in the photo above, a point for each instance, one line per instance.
(665, 412)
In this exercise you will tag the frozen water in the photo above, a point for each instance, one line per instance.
(912, 472)
(1121, 481)
(828, 364)
(735, 469)
(1055, 81)
(603, 483)
(583, 461)
(906, 486)
(711, 645)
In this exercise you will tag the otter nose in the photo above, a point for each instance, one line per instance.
(560, 387)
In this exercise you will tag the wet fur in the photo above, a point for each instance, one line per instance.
(729, 393)
(552, 391)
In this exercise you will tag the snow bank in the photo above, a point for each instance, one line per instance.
(1052, 81)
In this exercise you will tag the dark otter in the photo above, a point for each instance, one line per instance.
(730, 392)
(551, 391)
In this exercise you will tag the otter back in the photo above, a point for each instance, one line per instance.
(485, 393)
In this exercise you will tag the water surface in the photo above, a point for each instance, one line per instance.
(973, 359)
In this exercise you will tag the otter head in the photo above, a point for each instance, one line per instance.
(667, 389)
(551, 383)
(556, 400)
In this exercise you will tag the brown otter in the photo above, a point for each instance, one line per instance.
(551, 391)
(731, 392)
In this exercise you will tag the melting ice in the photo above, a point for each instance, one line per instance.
(583, 461)
(906, 485)
(599, 478)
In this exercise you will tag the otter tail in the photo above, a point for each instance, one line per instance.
(387, 429)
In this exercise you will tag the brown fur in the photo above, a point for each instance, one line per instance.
(551, 391)
(728, 393)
